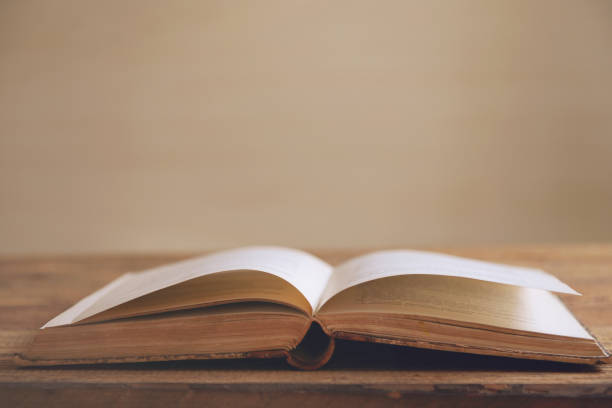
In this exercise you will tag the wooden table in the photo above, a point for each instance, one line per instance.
(34, 289)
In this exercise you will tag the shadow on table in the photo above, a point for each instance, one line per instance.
(370, 356)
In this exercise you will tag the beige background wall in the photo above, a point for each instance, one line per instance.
(145, 125)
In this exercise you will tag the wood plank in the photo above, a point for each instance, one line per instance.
(37, 288)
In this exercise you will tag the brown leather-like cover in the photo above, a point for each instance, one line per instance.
(317, 348)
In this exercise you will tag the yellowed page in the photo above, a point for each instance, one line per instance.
(305, 272)
(210, 290)
(467, 301)
(404, 262)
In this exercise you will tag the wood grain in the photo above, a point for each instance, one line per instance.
(35, 289)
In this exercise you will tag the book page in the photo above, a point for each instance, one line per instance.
(404, 262)
(305, 272)
(467, 301)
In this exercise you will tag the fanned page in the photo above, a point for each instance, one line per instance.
(307, 273)
(383, 264)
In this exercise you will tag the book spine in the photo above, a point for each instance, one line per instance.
(314, 351)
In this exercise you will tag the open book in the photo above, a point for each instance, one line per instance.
(273, 302)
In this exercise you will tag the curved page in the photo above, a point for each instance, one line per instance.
(470, 302)
(210, 290)
(403, 262)
(305, 272)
